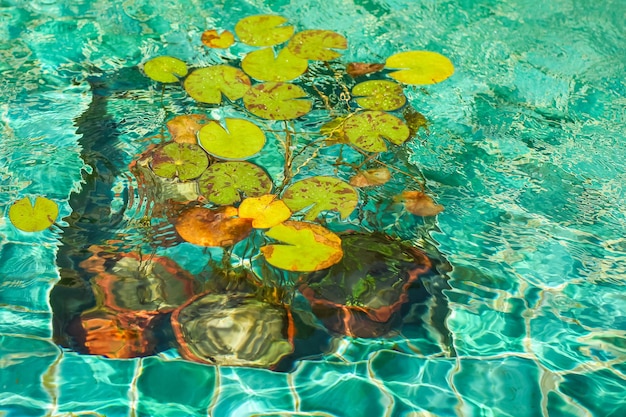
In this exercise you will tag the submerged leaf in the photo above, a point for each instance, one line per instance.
(207, 85)
(277, 101)
(333, 131)
(316, 44)
(36, 217)
(264, 66)
(371, 177)
(308, 247)
(379, 95)
(184, 128)
(165, 69)
(263, 30)
(356, 69)
(419, 67)
(240, 140)
(420, 204)
(265, 211)
(184, 161)
(224, 182)
(320, 194)
(414, 120)
(367, 129)
(212, 39)
(212, 227)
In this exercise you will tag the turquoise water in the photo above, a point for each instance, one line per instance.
(525, 151)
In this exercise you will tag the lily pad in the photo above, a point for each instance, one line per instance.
(379, 95)
(319, 194)
(357, 69)
(367, 129)
(263, 30)
(420, 204)
(307, 247)
(184, 128)
(419, 67)
(165, 69)
(277, 101)
(264, 66)
(265, 211)
(36, 217)
(212, 227)
(317, 44)
(224, 182)
(207, 85)
(222, 40)
(371, 177)
(240, 140)
(184, 161)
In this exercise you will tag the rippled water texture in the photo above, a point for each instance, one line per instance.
(526, 151)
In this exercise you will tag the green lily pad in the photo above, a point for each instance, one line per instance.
(207, 85)
(317, 44)
(367, 129)
(277, 101)
(319, 194)
(224, 182)
(36, 217)
(263, 30)
(184, 161)
(264, 66)
(240, 140)
(165, 69)
(419, 67)
(379, 95)
(306, 247)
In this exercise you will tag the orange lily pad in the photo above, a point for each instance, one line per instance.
(420, 204)
(263, 30)
(265, 211)
(277, 101)
(212, 39)
(317, 44)
(212, 227)
(207, 85)
(371, 177)
(357, 69)
(184, 128)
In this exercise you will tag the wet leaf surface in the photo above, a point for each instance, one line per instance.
(207, 85)
(321, 193)
(224, 182)
(263, 30)
(184, 161)
(212, 227)
(165, 69)
(306, 247)
(36, 217)
(265, 66)
(277, 101)
(317, 45)
(265, 211)
(419, 67)
(379, 95)
(241, 139)
(367, 129)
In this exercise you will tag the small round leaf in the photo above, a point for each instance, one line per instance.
(184, 161)
(207, 85)
(224, 182)
(319, 194)
(36, 217)
(379, 95)
(240, 140)
(165, 69)
(316, 44)
(419, 67)
(264, 66)
(265, 211)
(277, 101)
(367, 129)
(212, 227)
(263, 30)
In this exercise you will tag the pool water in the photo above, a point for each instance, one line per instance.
(524, 148)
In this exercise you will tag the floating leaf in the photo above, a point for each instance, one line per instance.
(319, 194)
(36, 217)
(265, 211)
(276, 101)
(212, 227)
(367, 129)
(333, 130)
(165, 69)
(309, 247)
(184, 161)
(419, 67)
(184, 128)
(420, 204)
(356, 69)
(316, 44)
(414, 120)
(224, 182)
(371, 177)
(263, 30)
(207, 85)
(379, 95)
(240, 140)
(263, 65)
(214, 40)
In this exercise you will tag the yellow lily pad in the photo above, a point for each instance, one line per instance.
(264, 66)
(379, 95)
(367, 129)
(212, 39)
(317, 44)
(165, 69)
(276, 101)
(265, 211)
(30, 217)
(223, 183)
(263, 30)
(319, 194)
(419, 67)
(306, 247)
(240, 140)
(207, 85)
